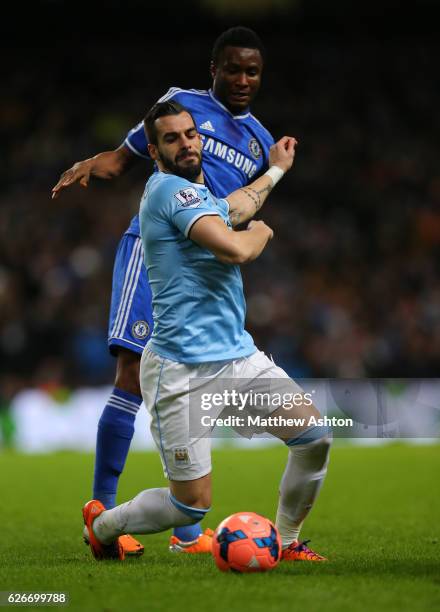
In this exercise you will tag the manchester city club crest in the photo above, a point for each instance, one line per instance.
(254, 148)
(140, 329)
(181, 456)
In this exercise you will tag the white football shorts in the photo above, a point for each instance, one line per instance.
(172, 391)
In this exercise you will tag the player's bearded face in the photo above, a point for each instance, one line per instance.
(186, 163)
(179, 146)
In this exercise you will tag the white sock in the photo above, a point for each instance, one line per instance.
(302, 479)
(149, 512)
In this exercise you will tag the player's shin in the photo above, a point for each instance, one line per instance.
(151, 511)
(115, 432)
(302, 479)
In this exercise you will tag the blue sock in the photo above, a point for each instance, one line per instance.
(188, 533)
(115, 431)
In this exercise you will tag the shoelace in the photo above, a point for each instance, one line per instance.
(302, 547)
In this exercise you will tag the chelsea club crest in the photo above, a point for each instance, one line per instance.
(254, 148)
(140, 329)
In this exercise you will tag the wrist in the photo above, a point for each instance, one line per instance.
(89, 163)
(275, 173)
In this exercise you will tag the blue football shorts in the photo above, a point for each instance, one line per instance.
(131, 314)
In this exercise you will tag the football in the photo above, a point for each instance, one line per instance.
(246, 542)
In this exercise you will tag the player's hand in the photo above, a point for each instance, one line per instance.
(260, 226)
(79, 172)
(282, 153)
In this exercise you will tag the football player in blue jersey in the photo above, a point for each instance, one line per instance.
(235, 150)
(192, 257)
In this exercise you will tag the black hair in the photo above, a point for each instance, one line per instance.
(161, 109)
(238, 36)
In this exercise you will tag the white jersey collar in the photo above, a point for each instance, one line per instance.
(248, 114)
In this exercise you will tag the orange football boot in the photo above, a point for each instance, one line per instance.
(299, 551)
(203, 544)
(100, 551)
(132, 548)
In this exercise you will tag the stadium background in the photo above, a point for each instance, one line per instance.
(350, 285)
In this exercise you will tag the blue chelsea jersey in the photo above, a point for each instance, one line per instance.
(198, 301)
(235, 147)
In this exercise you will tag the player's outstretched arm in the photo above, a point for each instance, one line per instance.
(247, 201)
(106, 165)
(229, 247)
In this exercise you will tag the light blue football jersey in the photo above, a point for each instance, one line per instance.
(198, 301)
(235, 147)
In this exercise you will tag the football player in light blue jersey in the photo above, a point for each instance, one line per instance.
(192, 256)
(236, 150)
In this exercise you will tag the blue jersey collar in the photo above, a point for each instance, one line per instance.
(245, 116)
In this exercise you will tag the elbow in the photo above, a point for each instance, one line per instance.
(233, 261)
(243, 258)
(236, 256)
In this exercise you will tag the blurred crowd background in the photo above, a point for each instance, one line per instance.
(349, 287)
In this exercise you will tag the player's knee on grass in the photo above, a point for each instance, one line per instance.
(151, 511)
(127, 371)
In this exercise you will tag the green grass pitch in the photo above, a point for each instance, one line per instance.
(377, 519)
